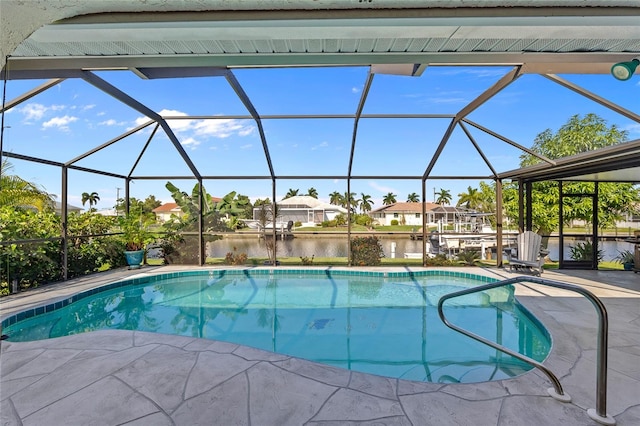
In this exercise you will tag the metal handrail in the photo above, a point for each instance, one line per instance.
(600, 412)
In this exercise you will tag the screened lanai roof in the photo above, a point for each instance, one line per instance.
(224, 39)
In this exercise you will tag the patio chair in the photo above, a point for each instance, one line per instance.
(528, 253)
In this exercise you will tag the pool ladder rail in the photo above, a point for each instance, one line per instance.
(599, 414)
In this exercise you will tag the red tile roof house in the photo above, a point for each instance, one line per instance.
(404, 213)
(164, 212)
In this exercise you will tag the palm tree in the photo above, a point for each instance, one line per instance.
(352, 201)
(413, 198)
(472, 199)
(443, 197)
(92, 198)
(312, 192)
(388, 199)
(291, 193)
(365, 203)
(335, 198)
(17, 192)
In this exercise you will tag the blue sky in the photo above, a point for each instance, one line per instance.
(74, 117)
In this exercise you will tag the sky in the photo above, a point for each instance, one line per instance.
(73, 117)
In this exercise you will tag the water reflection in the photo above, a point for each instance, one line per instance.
(387, 327)
(337, 247)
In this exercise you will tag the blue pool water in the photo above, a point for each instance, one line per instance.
(385, 325)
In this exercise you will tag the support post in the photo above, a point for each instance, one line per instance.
(560, 226)
(424, 222)
(520, 206)
(349, 221)
(64, 216)
(529, 208)
(594, 206)
(127, 195)
(201, 245)
(499, 247)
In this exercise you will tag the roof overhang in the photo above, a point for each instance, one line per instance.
(542, 39)
(618, 163)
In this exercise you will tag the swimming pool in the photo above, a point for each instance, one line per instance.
(373, 322)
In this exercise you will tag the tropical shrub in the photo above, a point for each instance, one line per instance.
(180, 243)
(440, 260)
(469, 257)
(340, 219)
(363, 220)
(88, 253)
(306, 260)
(234, 258)
(583, 251)
(366, 251)
(624, 257)
(32, 263)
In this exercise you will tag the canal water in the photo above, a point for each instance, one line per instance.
(337, 247)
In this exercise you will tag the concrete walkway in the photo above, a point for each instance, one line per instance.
(135, 378)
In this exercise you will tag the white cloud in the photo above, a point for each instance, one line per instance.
(215, 128)
(190, 142)
(222, 128)
(373, 184)
(355, 90)
(33, 111)
(88, 107)
(633, 129)
(448, 100)
(62, 123)
(177, 125)
(320, 145)
(111, 122)
(247, 131)
(247, 146)
(140, 121)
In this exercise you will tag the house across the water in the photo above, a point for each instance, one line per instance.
(309, 211)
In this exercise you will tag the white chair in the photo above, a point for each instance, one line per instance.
(528, 255)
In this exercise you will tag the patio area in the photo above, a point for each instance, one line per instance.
(135, 378)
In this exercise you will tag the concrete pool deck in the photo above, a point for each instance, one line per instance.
(135, 378)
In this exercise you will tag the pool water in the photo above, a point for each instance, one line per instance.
(385, 326)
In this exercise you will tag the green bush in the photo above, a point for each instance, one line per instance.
(363, 220)
(584, 252)
(36, 263)
(297, 224)
(440, 260)
(340, 219)
(235, 258)
(469, 257)
(306, 260)
(394, 222)
(29, 263)
(366, 251)
(87, 254)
